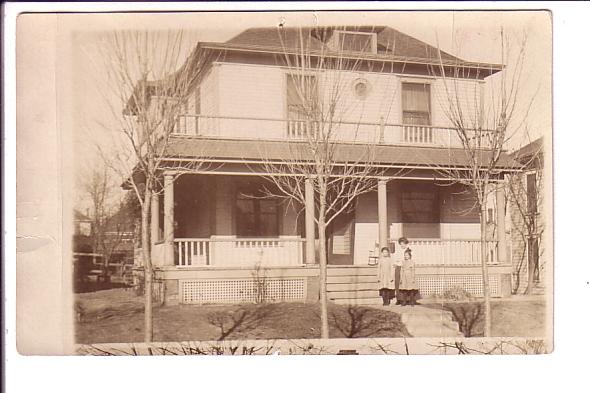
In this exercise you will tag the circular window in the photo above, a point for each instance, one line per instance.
(361, 88)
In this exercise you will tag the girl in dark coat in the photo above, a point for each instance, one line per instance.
(386, 276)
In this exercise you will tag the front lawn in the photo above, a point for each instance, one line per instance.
(117, 316)
(510, 318)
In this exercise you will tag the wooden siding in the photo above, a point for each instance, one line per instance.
(247, 90)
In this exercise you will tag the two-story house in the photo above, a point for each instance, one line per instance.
(245, 112)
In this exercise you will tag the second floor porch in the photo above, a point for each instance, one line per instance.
(295, 128)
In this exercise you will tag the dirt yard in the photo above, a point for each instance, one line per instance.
(116, 315)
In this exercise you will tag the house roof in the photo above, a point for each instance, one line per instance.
(391, 44)
(527, 151)
(388, 155)
(389, 40)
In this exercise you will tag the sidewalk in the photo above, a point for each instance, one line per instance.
(423, 321)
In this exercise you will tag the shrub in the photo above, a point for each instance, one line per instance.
(457, 293)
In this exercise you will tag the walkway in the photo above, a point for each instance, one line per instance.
(422, 321)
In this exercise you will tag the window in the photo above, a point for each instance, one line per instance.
(302, 101)
(161, 219)
(256, 215)
(491, 216)
(420, 205)
(531, 193)
(357, 42)
(302, 94)
(533, 258)
(420, 211)
(416, 103)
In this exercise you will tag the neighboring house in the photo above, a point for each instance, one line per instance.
(245, 112)
(82, 240)
(82, 224)
(120, 235)
(526, 207)
(115, 237)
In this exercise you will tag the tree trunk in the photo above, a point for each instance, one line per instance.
(487, 331)
(147, 265)
(106, 277)
(325, 333)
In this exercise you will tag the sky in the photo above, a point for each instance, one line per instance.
(473, 36)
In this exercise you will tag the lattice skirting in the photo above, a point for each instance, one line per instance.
(437, 284)
(242, 290)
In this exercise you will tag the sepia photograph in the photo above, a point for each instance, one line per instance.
(290, 182)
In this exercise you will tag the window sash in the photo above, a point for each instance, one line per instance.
(256, 217)
(356, 42)
(420, 206)
(416, 103)
(302, 94)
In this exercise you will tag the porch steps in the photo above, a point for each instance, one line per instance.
(353, 285)
(370, 301)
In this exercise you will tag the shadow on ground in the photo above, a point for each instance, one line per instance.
(116, 315)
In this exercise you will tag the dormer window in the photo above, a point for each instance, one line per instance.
(355, 41)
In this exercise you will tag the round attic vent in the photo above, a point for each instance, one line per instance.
(361, 88)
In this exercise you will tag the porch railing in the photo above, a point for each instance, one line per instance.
(239, 252)
(301, 128)
(452, 252)
(418, 134)
(380, 132)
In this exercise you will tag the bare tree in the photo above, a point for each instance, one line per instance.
(148, 89)
(324, 120)
(107, 213)
(525, 198)
(483, 125)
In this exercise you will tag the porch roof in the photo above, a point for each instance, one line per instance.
(264, 150)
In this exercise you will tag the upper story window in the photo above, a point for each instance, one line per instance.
(357, 41)
(302, 95)
(416, 103)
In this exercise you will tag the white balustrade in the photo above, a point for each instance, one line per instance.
(192, 252)
(345, 131)
(418, 134)
(239, 252)
(451, 252)
(300, 128)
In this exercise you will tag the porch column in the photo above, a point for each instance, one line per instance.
(309, 223)
(501, 224)
(155, 222)
(382, 213)
(169, 220)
